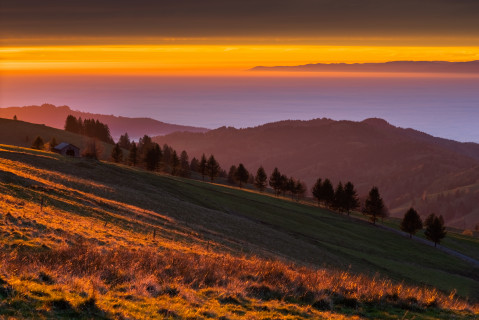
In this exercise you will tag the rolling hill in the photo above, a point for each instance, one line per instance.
(53, 116)
(21, 133)
(87, 239)
(408, 166)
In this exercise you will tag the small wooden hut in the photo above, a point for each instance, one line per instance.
(67, 149)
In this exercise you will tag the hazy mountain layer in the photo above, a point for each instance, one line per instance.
(391, 66)
(408, 166)
(55, 117)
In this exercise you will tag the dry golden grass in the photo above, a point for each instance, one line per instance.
(126, 282)
(85, 255)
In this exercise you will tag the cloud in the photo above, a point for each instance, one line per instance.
(238, 18)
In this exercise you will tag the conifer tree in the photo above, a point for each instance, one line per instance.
(175, 164)
(260, 179)
(144, 144)
(203, 166)
(167, 157)
(151, 156)
(117, 153)
(291, 187)
(327, 192)
(435, 229)
(275, 181)
(411, 222)
(133, 156)
(72, 125)
(159, 155)
(38, 143)
(124, 141)
(232, 175)
(213, 168)
(429, 219)
(194, 165)
(339, 198)
(241, 175)
(317, 190)
(351, 200)
(184, 164)
(81, 129)
(150, 159)
(300, 189)
(374, 206)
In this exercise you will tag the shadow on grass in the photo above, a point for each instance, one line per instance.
(14, 304)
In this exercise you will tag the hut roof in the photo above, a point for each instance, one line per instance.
(63, 145)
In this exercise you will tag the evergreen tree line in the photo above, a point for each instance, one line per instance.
(207, 167)
(343, 198)
(280, 183)
(149, 155)
(89, 127)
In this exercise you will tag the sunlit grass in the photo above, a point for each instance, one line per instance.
(101, 251)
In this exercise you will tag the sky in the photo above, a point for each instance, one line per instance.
(91, 40)
(456, 20)
(218, 36)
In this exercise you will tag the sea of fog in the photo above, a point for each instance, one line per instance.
(444, 107)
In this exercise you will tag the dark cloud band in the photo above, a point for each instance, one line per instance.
(247, 18)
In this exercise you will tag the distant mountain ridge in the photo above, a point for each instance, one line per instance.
(410, 168)
(54, 116)
(391, 66)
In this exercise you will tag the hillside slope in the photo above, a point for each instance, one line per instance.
(88, 239)
(409, 167)
(55, 117)
(20, 133)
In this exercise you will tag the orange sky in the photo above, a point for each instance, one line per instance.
(217, 36)
(198, 58)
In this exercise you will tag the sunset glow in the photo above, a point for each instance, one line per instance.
(207, 58)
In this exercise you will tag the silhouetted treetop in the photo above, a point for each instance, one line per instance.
(327, 192)
(435, 229)
(117, 153)
(411, 222)
(260, 179)
(38, 143)
(133, 155)
(275, 181)
(241, 175)
(213, 168)
(185, 170)
(374, 206)
(203, 166)
(124, 141)
(89, 127)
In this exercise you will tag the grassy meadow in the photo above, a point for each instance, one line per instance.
(87, 239)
